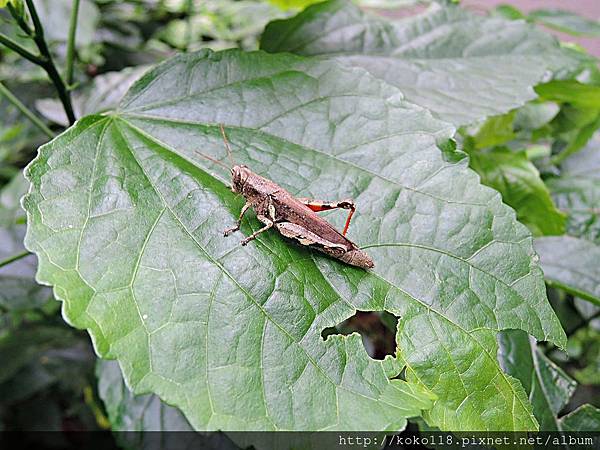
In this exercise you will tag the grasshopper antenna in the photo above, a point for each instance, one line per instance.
(226, 144)
(216, 161)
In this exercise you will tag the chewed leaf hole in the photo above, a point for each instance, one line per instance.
(377, 329)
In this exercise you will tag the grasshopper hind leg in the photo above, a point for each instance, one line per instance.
(323, 205)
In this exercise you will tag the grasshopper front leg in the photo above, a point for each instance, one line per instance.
(268, 221)
(228, 231)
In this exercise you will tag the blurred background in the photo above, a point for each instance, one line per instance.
(589, 9)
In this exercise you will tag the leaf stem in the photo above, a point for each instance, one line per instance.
(18, 48)
(26, 111)
(48, 63)
(14, 258)
(71, 43)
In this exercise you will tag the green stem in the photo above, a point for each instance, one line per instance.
(48, 63)
(25, 110)
(20, 20)
(14, 258)
(17, 48)
(71, 43)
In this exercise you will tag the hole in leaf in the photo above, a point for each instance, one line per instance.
(377, 329)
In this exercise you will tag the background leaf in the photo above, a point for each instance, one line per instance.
(461, 66)
(585, 418)
(495, 131)
(127, 412)
(102, 94)
(548, 387)
(566, 21)
(519, 182)
(572, 264)
(55, 14)
(534, 115)
(570, 91)
(232, 335)
(18, 289)
(577, 192)
(584, 348)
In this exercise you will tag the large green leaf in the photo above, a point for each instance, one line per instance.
(126, 218)
(461, 66)
(519, 182)
(571, 264)
(548, 387)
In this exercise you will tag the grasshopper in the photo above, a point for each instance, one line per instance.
(294, 218)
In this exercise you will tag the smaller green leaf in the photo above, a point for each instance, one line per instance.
(579, 197)
(496, 130)
(584, 418)
(548, 387)
(293, 4)
(55, 14)
(102, 94)
(566, 21)
(392, 4)
(586, 163)
(584, 346)
(519, 182)
(18, 289)
(509, 12)
(570, 91)
(128, 412)
(534, 115)
(580, 139)
(577, 192)
(27, 381)
(571, 264)
(3, 3)
(22, 346)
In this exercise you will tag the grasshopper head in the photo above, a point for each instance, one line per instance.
(239, 175)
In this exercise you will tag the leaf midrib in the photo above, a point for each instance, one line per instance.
(314, 150)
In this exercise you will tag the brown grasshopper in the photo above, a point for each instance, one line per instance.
(294, 218)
